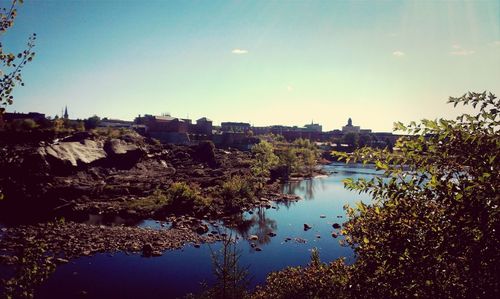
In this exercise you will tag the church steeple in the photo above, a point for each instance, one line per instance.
(66, 112)
(349, 122)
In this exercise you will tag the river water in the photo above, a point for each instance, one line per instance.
(178, 272)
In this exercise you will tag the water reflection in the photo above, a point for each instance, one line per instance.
(258, 224)
(306, 187)
(184, 269)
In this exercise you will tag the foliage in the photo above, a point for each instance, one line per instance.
(351, 138)
(153, 202)
(289, 161)
(236, 191)
(308, 155)
(92, 122)
(298, 158)
(184, 196)
(317, 280)
(12, 63)
(23, 125)
(178, 196)
(231, 279)
(264, 160)
(432, 229)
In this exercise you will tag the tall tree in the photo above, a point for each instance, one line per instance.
(12, 63)
(264, 160)
(432, 228)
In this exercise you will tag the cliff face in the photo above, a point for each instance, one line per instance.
(94, 174)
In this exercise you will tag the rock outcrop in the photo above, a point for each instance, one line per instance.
(72, 154)
(87, 173)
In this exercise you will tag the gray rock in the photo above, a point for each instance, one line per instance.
(253, 237)
(156, 253)
(147, 249)
(119, 147)
(73, 153)
(202, 229)
(61, 260)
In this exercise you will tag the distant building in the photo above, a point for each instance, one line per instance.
(115, 123)
(66, 115)
(235, 127)
(166, 128)
(37, 117)
(349, 128)
(203, 126)
(261, 130)
(313, 127)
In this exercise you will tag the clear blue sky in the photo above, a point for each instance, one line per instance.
(263, 62)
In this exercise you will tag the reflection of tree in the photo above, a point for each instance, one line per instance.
(232, 280)
(258, 225)
(304, 188)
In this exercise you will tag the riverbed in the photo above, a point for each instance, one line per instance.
(281, 242)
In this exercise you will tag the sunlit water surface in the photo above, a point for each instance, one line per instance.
(178, 272)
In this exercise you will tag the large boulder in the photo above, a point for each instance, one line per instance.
(72, 154)
(119, 147)
(122, 154)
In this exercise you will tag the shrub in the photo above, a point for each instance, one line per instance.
(236, 191)
(431, 230)
(263, 160)
(184, 197)
(317, 280)
(153, 202)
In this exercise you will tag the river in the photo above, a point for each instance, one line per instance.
(178, 272)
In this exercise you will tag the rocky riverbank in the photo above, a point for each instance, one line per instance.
(91, 174)
(53, 191)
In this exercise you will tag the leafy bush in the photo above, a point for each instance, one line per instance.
(236, 191)
(263, 160)
(183, 196)
(158, 199)
(317, 280)
(432, 228)
(180, 196)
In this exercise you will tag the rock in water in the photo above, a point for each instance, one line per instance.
(202, 229)
(336, 225)
(253, 238)
(147, 249)
(307, 227)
